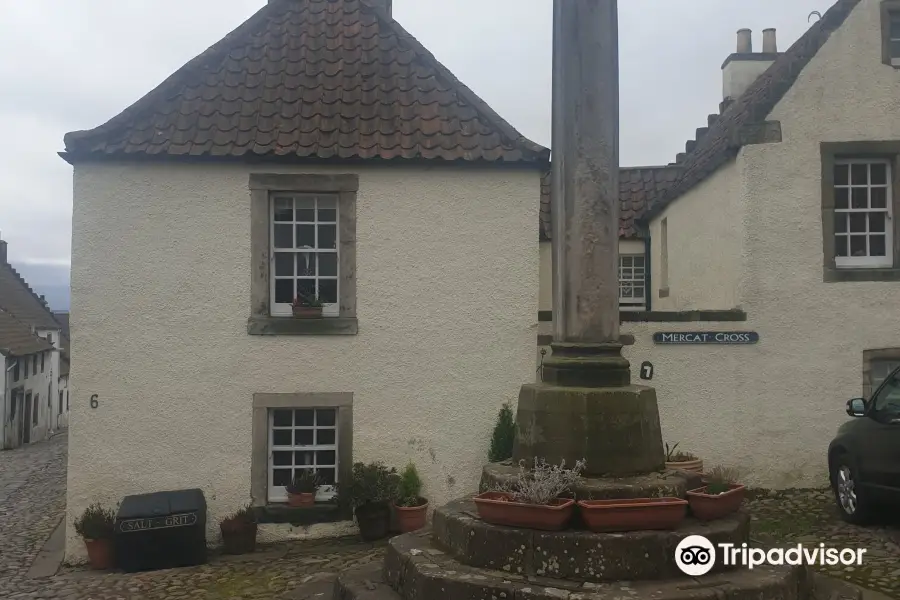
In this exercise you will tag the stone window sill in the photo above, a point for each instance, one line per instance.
(292, 326)
(833, 275)
(321, 512)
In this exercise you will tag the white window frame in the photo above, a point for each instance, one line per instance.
(893, 17)
(633, 303)
(851, 262)
(278, 493)
(281, 309)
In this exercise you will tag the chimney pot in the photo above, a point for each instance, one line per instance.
(770, 44)
(744, 41)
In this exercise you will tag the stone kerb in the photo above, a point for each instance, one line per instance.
(573, 555)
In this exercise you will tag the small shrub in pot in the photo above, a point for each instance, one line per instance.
(410, 506)
(239, 531)
(682, 461)
(96, 526)
(721, 495)
(368, 494)
(504, 435)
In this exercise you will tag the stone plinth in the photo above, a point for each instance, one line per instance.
(616, 429)
(414, 569)
(574, 555)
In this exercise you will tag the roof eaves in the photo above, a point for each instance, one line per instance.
(82, 138)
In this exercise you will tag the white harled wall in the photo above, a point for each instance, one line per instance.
(771, 409)
(447, 280)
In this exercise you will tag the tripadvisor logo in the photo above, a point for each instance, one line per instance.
(695, 555)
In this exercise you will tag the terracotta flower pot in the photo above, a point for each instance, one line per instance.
(307, 312)
(238, 537)
(633, 514)
(303, 499)
(693, 466)
(100, 553)
(498, 509)
(411, 518)
(374, 521)
(708, 507)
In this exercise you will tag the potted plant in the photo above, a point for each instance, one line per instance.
(633, 514)
(368, 494)
(721, 495)
(302, 489)
(96, 526)
(411, 508)
(532, 500)
(306, 306)
(239, 532)
(682, 461)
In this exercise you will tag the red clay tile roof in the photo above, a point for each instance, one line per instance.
(721, 143)
(312, 79)
(638, 187)
(17, 338)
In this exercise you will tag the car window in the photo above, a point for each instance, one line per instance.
(887, 401)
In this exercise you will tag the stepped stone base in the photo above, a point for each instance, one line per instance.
(573, 555)
(414, 570)
(660, 483)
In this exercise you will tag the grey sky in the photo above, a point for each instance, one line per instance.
(73, 64)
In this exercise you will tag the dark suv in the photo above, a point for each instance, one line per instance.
(864, 457)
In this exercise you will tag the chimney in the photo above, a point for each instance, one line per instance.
(742, 68)
(744, 41)
(770, 45)
(2, 251)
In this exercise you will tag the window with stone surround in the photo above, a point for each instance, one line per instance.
(859, 201)
(632, 282)
(304, 238)
(303, 241)
(890, 32)
(300, 440)
(877, 365)
(296, 432)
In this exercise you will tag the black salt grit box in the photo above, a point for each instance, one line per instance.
(161, 530)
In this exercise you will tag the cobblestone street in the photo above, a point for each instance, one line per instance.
(32, 496)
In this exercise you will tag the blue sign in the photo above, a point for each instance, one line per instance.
(706, 337)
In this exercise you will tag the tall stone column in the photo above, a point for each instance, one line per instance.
(586, 406)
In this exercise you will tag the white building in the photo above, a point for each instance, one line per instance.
(31, 368)
(780, 221)
(350, 164)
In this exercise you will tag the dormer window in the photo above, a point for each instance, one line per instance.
(890, 32)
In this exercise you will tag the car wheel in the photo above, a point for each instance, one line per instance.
(848, 494)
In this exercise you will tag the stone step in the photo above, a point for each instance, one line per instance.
(363, 583)
(575, 555)
(416, 570)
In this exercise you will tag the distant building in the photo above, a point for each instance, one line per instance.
(31, 348)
